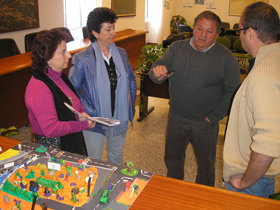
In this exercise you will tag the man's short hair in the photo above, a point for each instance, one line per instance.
(209, 16)
(264, 19)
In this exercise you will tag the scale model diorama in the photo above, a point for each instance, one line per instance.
(36, 177)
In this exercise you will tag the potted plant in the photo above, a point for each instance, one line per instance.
(176, 20)
(149, 54)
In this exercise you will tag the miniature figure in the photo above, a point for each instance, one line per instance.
(104, 197)
(33, 186)
(23, 184)
(127, 185)
(130, 170)
(58, 197)
(111, 187)
(47, 192)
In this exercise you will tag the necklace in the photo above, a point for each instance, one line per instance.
(64, 90)
(65, 87)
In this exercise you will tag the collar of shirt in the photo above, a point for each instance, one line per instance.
(107, 59)
(191, 43)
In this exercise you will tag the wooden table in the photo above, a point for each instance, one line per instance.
(149, 88)
(15, 73)
(166, 193)
(7, 143)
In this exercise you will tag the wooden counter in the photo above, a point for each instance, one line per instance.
(15, 73)
(166, 193)
(7, 143)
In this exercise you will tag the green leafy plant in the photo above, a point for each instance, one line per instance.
(149, 54)
(176, 19)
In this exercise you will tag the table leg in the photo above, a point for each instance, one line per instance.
(143, 104)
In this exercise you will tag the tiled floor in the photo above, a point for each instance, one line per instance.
(145, 143)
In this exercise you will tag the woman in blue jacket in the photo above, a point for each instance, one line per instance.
(103, 77)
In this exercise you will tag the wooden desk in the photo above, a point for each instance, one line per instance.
(166, 193)
(149, 88)
(15, 73)
(7, 143)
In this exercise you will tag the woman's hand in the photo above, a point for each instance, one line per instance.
(91, 123)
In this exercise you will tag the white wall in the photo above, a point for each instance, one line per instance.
(51, 15)
(222, 9)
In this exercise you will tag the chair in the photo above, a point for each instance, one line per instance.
(230, 32)
(187, 34)
(172, 38)
(28, 40)
(224, 41)
(67, 32)
(241, 56)
(232, 38)
(237, 47)
(8, 47)
(225, 25)
(183, 28)
(236, 26)
(85, 32)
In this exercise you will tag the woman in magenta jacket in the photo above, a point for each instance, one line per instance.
(52, 123)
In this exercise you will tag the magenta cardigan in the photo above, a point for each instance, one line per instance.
(42, 112)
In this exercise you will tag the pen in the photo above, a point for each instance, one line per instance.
(168, 75)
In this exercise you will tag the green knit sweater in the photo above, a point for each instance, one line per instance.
(203, 83)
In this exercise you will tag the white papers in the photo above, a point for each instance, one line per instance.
(8, 165)
(102, 120)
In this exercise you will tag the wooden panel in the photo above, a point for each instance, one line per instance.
(12, 106)
(155, 90)
(133, 47)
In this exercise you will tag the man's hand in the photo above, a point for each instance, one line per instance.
(235, 181)
(256, 169)
(207, 119)
(160, 72)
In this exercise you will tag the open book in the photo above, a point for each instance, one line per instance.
(102, 120)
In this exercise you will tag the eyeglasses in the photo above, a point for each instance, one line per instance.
(245, 28)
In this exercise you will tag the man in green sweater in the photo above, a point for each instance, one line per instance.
(252, 144)
(204, 77)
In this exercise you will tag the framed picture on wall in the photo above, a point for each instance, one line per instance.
(237, 6)
(124, 7)
(18, 15)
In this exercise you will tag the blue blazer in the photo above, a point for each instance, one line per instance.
(82, 74)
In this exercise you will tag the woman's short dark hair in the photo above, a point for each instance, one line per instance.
(97, 17)
(264, 19)
(209, 16)
(44, 46)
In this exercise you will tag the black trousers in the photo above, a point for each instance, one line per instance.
(203, 137)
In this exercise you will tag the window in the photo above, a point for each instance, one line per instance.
(75, 15)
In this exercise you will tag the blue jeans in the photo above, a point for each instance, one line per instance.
(263, 188)
(95, 144)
